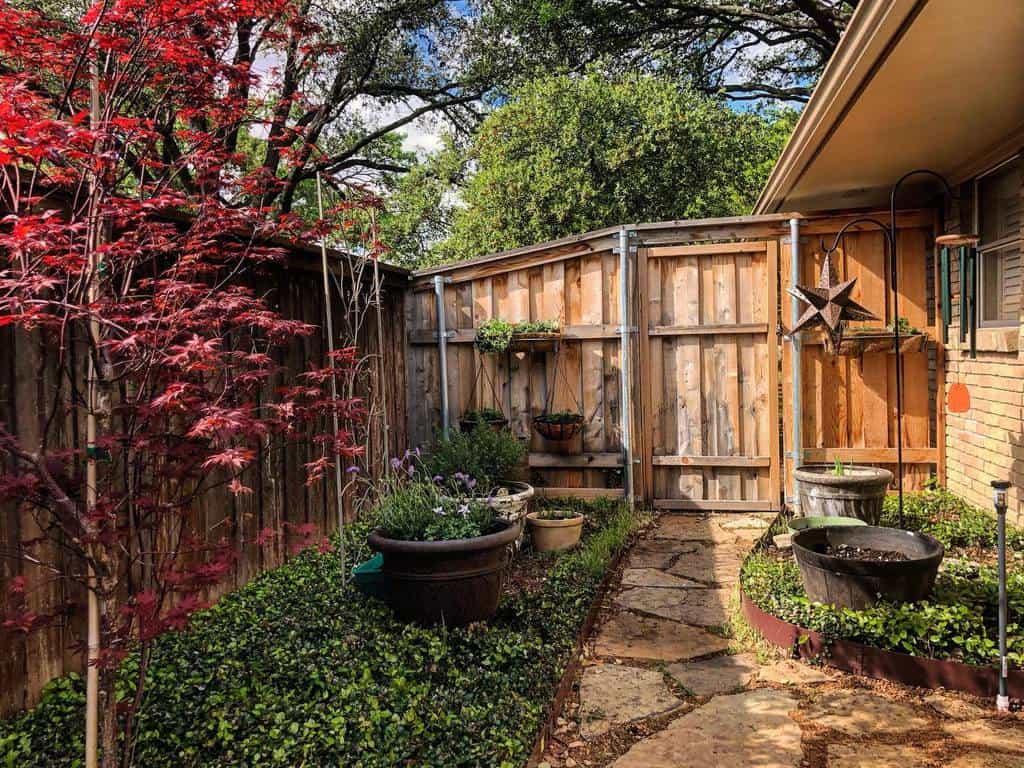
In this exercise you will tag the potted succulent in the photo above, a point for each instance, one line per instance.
(553, 530)
(443, 558)
(492, 417)
(561, 425)
(482, 464)
(839, 490)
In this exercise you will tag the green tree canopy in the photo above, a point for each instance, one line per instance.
(569, 154)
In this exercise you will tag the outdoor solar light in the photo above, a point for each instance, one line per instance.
(999, 488)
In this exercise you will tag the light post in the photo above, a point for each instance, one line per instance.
(999, 488)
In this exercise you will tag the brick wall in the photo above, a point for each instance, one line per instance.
(987, 442)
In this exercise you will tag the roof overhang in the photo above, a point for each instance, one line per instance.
(933, 84)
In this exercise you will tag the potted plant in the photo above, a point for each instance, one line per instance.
(443, 557)
(481, 464)
(494, 335)
(553, 530)
(839, 490)
(562, 425)
(492, 417)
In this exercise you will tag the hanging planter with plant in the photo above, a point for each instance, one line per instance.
(495, 336)
(558, 426)
(492, 417)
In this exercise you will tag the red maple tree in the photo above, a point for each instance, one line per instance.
(133, 260)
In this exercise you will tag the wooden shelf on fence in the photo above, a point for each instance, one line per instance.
(568, 333)
(855, 344)
(715, 505)
(537, 342)
(575, 461)
(546, 492)
(712, 461)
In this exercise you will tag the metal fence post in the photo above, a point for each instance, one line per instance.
(625, 378)
(442, 350)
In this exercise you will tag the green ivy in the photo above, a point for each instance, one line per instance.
(296, 669)
(948, 518)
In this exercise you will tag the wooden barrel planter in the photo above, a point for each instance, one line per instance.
(859, 583)
(451, 582)
(558, 429)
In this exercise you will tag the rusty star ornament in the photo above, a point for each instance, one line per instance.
(829, 304)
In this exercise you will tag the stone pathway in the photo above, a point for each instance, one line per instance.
(665, 685)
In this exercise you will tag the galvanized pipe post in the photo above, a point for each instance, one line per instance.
(999, 488)
(442, 350)
(795, 362)
(625, 378)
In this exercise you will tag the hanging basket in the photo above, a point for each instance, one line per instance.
(536, 341)
(469, 421)
(558, 427)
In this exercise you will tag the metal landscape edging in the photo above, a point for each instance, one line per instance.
(870, 661)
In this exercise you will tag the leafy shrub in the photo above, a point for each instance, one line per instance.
(485, 454)
(419, 512)
(298, 668)
(536, 326)
(949, 519)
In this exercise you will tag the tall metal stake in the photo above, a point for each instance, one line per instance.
(329, 316)
(795, 362)
(442, 350)
(624, 366)
(92, 674)
(999, 488)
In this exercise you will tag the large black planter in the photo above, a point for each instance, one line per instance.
(859, 584)
(451, 582)
(858, 492)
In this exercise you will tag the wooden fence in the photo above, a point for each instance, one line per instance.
(27, 379)
(705, 406)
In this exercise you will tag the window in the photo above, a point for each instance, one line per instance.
(998, 221)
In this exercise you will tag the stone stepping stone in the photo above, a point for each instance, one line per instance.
(859, 713)
(984, 760)
(877, 756)
(612, 695)
(700, 607)
(703, 529)
(958, 709)
(789, 672)
(627, 635)
(1002, 737)
(657, 553)
(744, 730)
(652, 577)
(745, 522)
(709, 565)
(721, 674)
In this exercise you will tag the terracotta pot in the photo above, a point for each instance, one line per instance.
(450, 582)
(554, 535)
(856, 493)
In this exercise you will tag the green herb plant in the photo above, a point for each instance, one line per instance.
(485, 455)
(494, 335)
(486, 415)
(837, 469)
(561, 417)
(557, 514)
(418, 511)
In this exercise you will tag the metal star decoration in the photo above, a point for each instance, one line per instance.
(829, 304)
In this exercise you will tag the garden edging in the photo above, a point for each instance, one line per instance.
(870, 661)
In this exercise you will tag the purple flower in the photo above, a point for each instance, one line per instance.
(438, 479)
(410, 470)
(396, 462)
(353, 469)
(470, 483)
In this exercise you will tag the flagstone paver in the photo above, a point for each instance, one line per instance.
(680, 580)
(745, 730)
(628, 635)
(721, 674)
(862, 712)
(958, 709)
(612, 694)
(878, 756)
(789, 672)
(1004, 737)
(652, 577)
(985, 760)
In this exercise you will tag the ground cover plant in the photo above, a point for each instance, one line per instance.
(957, 622)
(297, 668)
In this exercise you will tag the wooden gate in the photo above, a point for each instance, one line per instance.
(709, 375)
